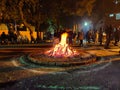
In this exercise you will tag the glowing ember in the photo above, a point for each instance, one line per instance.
(62, 49)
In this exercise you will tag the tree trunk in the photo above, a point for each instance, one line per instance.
(38, 30)
(23, 19)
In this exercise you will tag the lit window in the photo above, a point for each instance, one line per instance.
(118, 16)
(111, 15)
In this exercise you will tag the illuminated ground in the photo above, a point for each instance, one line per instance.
(104, 75)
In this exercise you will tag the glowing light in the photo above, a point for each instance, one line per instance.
(116, 2)
(85, 23)
(64, 39)
(111, 15)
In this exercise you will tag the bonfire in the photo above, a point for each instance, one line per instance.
(62, 49)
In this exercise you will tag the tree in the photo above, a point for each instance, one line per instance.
(31, 11)
(58, 9)
(35, 12)
(27, 11)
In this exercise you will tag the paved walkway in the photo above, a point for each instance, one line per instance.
(16, 76)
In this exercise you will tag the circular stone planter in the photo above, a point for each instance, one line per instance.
(81, 59)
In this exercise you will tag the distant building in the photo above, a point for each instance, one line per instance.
(3, 28)
(114, 19)
(108, 11)
(111, 12)
(22, 30)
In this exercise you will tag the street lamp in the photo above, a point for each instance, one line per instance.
(86, 23)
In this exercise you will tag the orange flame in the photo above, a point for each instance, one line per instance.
(64, 39)
(62, 49)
